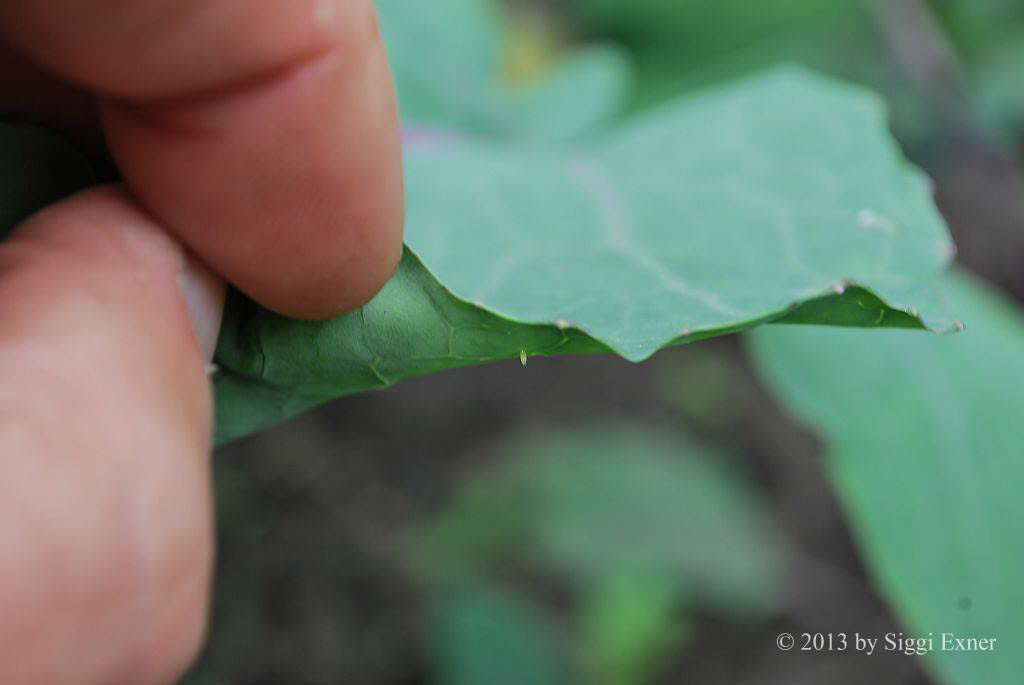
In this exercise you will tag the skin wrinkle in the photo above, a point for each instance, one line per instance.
(187, 113)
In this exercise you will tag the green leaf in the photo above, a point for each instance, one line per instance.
(680, 45)
(924, 448)
(781, 197)
(273, 367)
(709, 30)
(602, 506)
(443, 56)
(629, 628)
(978, 25)
(579, 95)
(999, 88)
(640, 528)
(453, 78)
(715, 212)
(485, 635)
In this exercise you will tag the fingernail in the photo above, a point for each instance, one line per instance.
(204, 293)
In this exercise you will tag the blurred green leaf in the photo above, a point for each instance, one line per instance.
(978, 26)
(924, 439)
(612, 502)
(706, 29)
(680, 45)
(597, 505)
(628, 627)
(452, 77)
(485, 635)
(999, 88)
(579, 95)
(444, 56)
(638, 527)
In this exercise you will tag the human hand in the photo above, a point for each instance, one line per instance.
(260, 136)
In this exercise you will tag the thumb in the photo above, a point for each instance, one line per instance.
(105, 423)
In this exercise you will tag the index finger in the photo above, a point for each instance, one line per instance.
(262, 133)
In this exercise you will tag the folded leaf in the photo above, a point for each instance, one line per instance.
(273, 367)
(777, 198)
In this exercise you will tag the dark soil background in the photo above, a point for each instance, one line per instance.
(310, 589)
